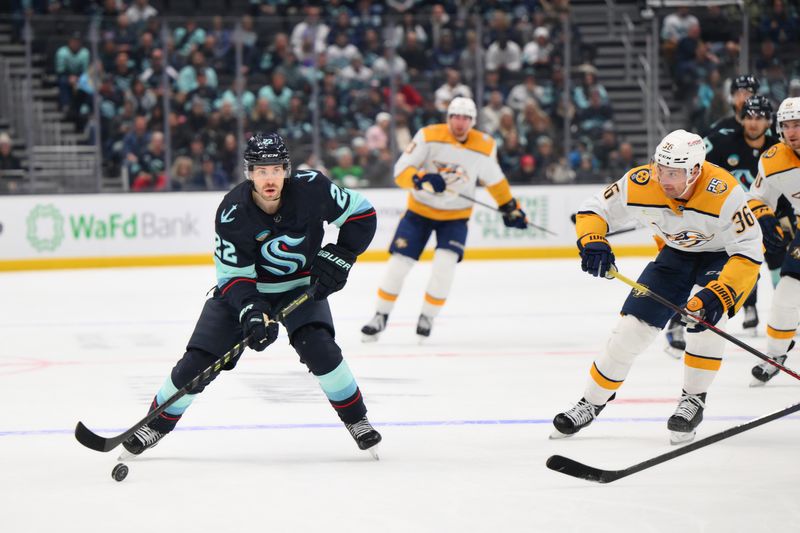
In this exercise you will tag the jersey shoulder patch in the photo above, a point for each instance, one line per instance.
(643, 190)
(779, 158)
(713, 187)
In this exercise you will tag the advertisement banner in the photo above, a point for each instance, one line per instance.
(135, 229)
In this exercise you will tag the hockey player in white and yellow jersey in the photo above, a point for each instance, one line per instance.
(779, 175)
(708, 239)
(442, 161)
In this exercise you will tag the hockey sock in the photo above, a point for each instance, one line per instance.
(167, 420)
(703, 358)
(443, 273)
(628, 339)
(396, 272)
(340, 387)
(775, 274)
(783, 316)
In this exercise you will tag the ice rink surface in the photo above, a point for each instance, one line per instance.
(465, 417)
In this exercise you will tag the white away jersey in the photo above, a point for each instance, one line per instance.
(778, 174)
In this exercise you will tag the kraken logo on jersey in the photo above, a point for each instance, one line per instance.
(641, 177)
(717, 186)
(686, 238)
(451, 172)
(282, 261)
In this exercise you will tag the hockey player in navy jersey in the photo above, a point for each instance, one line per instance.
(269, 251)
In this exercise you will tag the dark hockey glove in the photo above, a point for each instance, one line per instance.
(513, 215)
(429, 182)
(710, 304)
(255, 326)
(596, 255)
(329, 270)
(773, 234)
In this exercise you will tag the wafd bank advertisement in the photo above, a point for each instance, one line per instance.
(178, 228)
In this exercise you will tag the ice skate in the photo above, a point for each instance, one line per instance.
(372, 329)
(688, 415)
(424, 326)
(570, 422)
(365, 436)
(765, 371)
(676, 340)
(750, 322)
(144, 439)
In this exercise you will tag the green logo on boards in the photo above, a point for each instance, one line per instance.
(45, 228)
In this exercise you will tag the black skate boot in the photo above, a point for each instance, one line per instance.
(750, 321)
(365, 435)
(373, 328)
(570, 422)
(676, 341)
(144, 439)
(686, 418)
(424, 326)
(765, 371)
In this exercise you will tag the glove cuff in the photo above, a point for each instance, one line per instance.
(509, 207)
(723, 292)
(590, 238)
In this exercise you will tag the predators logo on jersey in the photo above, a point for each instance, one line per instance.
(451, 172)
(641, 177)
(686, 238)
(771, 152)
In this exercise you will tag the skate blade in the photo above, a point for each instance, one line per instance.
(556, 435)
(673, 352)
(757, 383)
(374, 452)
(368, 338)
(681, 437)
(125, 455)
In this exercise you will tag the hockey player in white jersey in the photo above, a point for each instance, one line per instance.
(442, 161)
(779, 175)
(708, 239)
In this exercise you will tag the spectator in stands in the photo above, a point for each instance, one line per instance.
(197, 117)
(136, 141)
(356, 75)
(210, 178)
(71, 61)
(389, 63)
(621, 162)
(188, 38)
(718, 32)
(709, 103)
(139, 12)
(545, 157)
(439, 24)
(408, 25)
(341, 53)
(297, 124)
(187, 77)
(775, 85)
(587, 171)
(346, 172)
(505, 127)
(222, 51)
(248, 98)
(532, 123)
(472, 55)
(779, 25)
(767, 53)
(363, 156)
(446, 55)
(451, 88)
(228, 157)
(379, 173)
(8, 161)
(693, 62)
(144, 99)
(509, 154)
(278, 93)
(580, 95)
(536, 53)
(152, 77)
(674, 28)
(149, 171)
(125, 35)
(203, 91)
(140, 55)
(490, 113)
(415, 54)
(371, 49)
(607, 143)
(591, 120)
(310, 30)
(794, 88)
(275, 54)
(377, 135)
(525, 173)
(504, 55)
(181, 174)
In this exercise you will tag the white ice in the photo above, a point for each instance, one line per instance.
(465, 418)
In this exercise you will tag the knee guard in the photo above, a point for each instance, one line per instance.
(628, 339)
(396, 272)
(320, 353)
(443, 273)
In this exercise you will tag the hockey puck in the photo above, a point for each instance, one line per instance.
(120, 472)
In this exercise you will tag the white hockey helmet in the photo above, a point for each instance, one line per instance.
(788, 110)
(681, 149)
(461, 105)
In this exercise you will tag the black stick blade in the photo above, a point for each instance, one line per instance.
(567, 466)
(92, 440)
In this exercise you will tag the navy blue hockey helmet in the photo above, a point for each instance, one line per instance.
(266, 149)
(747, 82)
(757, 106)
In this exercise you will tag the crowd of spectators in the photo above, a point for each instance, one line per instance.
(363, 59)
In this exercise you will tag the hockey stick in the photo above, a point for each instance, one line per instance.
(493, 208)
(614, 273)
(95, 442)
(573, 218)
(573, 468)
